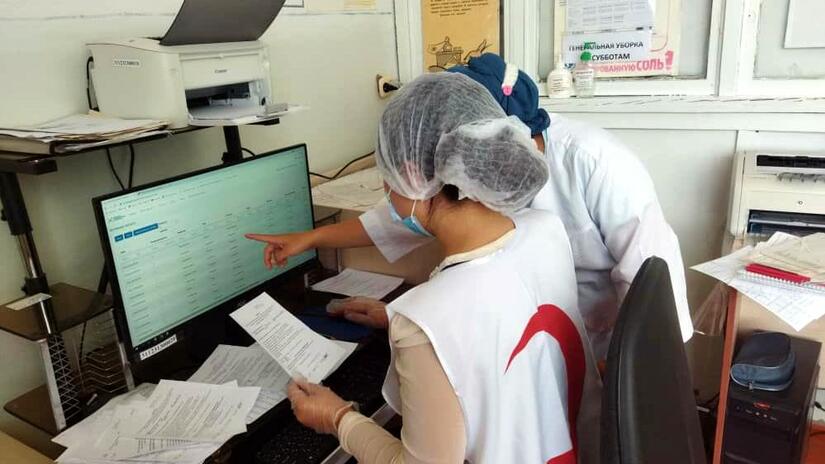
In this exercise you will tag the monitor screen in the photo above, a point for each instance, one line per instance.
(177, 247)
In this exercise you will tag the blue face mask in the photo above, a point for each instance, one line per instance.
(410, 222)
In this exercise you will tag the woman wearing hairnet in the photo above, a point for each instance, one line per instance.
(602, 193)
(490, 359)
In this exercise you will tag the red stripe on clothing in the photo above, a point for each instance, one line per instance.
(565, 458)
(552, 320)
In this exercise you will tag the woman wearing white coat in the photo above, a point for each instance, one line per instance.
(490, 360)
(597, 186)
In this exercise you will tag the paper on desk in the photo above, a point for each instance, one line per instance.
(297, 348)
(796, 308)
(352, 282)
(727, 267)
(190, 411)
(360, 190)
(250, 367)
(87, 427)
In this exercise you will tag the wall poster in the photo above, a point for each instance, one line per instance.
(454, 31)
(615, 46)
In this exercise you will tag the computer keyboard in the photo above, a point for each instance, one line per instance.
(359, 379)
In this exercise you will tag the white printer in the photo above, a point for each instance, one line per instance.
(774, 192)
(209, 65)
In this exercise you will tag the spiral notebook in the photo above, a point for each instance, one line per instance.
(786, 283)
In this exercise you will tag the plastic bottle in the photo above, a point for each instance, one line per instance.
(559, 81)
(584, 76)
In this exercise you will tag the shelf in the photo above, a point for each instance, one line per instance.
(44, 163)
(34, 408)
(72, 306)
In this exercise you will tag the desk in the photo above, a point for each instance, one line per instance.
(14, 452)
(50, 319)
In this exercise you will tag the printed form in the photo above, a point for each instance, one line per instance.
(302, 352)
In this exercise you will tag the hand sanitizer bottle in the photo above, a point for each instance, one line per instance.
(584, 76)
(560, 81)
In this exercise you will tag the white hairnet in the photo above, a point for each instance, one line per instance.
(446, 129)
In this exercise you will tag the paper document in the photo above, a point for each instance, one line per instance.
(250, 367)
(228, 115)
(352, 282)
(360, 190)
(299, 350)
(794, 306)
(92, 126)
(190, 411)
(78, 432)
(609, 15)
(801, 255)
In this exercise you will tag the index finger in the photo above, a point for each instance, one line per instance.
(266, 238)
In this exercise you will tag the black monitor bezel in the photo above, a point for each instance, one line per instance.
(119, 312)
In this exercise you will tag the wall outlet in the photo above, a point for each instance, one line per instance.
(386, 86)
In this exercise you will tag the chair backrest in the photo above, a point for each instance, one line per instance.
(648, 409)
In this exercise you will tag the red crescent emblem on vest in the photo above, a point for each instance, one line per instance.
(552, 320)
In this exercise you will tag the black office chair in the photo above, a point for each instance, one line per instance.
(648, 410)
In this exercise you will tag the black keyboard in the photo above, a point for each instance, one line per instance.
(359, 379)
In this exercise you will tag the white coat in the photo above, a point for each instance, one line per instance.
(507, 332)
(607, 203)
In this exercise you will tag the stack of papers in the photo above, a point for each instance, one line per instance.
(352, 282)
(180, 422)
(795, 306)
(359, 191)
(804, 256)
(80, 131)
(186, 422)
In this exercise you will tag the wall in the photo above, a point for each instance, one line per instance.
(324, 59)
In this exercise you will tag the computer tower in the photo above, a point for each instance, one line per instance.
(764, 427)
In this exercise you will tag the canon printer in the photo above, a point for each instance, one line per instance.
(777, 192)
(208, 65)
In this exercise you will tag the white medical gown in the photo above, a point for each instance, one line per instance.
(607, 203)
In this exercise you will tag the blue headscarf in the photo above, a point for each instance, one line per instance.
(523, 102)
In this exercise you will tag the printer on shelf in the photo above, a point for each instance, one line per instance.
(773, 192)
(209, 66)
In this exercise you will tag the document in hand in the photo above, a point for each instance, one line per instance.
(302, 352)
(249, 367)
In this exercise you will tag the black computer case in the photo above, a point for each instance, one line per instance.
(773, 427)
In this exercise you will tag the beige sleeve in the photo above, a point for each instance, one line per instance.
(433, 430)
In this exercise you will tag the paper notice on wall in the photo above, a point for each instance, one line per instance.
(661, 60)
(454, 31)
(608, 46)
(609, 15)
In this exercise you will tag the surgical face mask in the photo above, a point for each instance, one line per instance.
(412, 223)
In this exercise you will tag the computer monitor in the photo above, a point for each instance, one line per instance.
(175, 249)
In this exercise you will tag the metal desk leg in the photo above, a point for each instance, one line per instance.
(60, 378)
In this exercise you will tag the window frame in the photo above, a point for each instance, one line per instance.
(739, 59)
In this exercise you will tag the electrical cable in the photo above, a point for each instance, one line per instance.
(335, 176)
(114, 171)
(89, 61)
(131, 165)
(252, 153)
